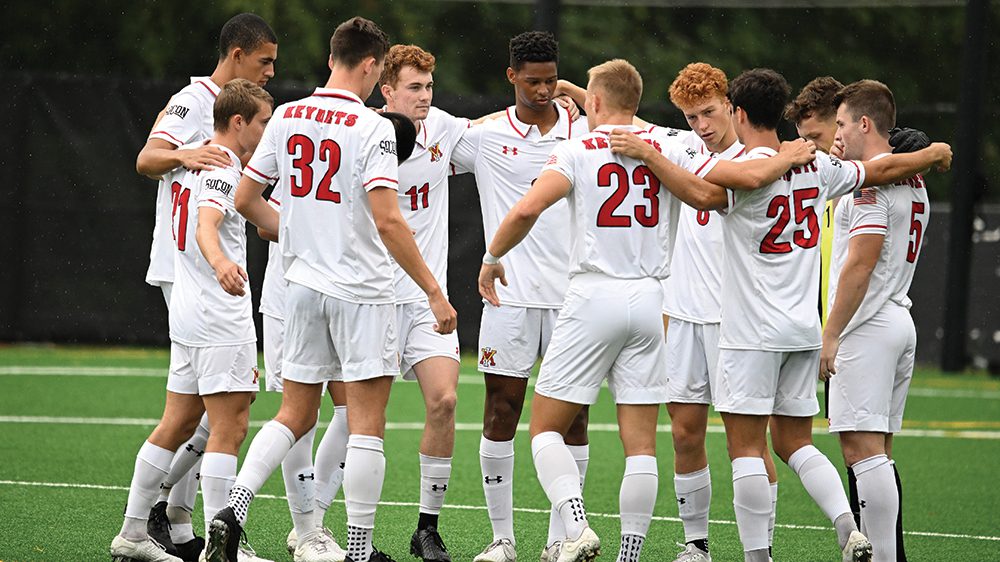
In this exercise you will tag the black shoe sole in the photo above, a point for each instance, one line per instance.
(218, 538)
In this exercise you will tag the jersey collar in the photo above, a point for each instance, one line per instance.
(762, 150)
(563, 129)
(206, 81)
(337, 93)
(236, 159)
(734, 151)
(606, 129)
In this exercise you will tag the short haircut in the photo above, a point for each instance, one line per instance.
(762, 93)
(238, 97)
(246, 31)
(697, 83)
(620, 83)
(357, 39)
(533, 46)
(405, 55)
(815, 100)
(871, 98)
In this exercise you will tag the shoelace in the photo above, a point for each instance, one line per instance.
(245, 544)
(157, 543)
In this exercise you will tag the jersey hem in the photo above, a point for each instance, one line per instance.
(213, 344)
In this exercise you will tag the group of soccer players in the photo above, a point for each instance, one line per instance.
(611, 266)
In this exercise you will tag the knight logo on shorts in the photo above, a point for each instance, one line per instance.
(436, 152)
(486, 360)
(256, 374)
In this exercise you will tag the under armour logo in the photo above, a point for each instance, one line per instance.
(862, 503)
(341, 465)
(304, 477)
(681, 501)
(496, 480)
(512, 150)
(441, 488)
(191, 449)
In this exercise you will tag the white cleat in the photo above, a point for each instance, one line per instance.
(247, 554)
(292, 541)
(318, 546)
(146, 550)
(500, 550)
(585, 548)
(858, 548)
(551, 552)
(692, 553)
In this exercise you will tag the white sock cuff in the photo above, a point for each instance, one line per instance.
(218, 465)
(579, 452)
(496, 449)
(543, 440)
(282, 429)
(203, 425)
(435, 467)
(641, 464)
(692, 481)
(799, 458)
(340, 410)
(156, 456)
(774, 492)
(748, 466)
(368, 442)
(871, 463)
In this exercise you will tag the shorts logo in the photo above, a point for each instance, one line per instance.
(486, 360)
(256, 375)
(436, 152)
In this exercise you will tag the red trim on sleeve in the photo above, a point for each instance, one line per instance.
(216, 202)
(260, 174)
(869, 226)
(379, 178)
(742, 150)
(857, 181)
(512, 126)
(275, 201)
(175, 139)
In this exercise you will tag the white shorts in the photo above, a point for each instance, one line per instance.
(328, 339)
(692, 359)
(762, 383)
(874, 368)
(211, 370)
(166, 287)
(608, 329)
(418, 340)
(512, 338)
(274, 342)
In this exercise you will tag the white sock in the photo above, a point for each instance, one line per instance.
(434, 475)
(151, 465)
(330, 456)
(496, 458)
(265, 454)
(822, 481)
(218, 473)
(300, 489)
(364, 473)
(774, 514)
(879, 504)
(752, 503)
(180, 487)
(637, 498)
(631, 548)
(559, 477)
(694, 498)
(581, 454)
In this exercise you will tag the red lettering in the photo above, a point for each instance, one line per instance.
(589, 143)
(298, 112)
(320, 115)
(289, 111)
(309, 111)
(328, 118)
(351, 120)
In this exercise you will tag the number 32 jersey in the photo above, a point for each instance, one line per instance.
(770, 284)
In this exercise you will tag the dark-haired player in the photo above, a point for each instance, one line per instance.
(247, 49)
(335, 164)
(770, 340)
(506, 155)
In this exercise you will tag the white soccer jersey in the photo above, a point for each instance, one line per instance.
(325, 152)
(900, 212)
(186, 120)
(423, 198)
(507, 155)
(622, 222)
(693, 292)
(272, 291)
(202, 313)
(770, 285)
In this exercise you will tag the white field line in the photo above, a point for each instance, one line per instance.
(417, 426)
(483, 508)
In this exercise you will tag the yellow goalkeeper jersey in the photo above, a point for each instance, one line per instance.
(826, 250)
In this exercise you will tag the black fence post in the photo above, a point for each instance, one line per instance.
(547, 16)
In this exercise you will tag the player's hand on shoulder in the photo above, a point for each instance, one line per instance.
(487, 282)
(444, 314)
(629, 144)
(942, 152)
(231, 278)
(801, 151)
(567, 103)
(203, 158)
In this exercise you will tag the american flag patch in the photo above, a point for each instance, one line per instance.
(864, 196)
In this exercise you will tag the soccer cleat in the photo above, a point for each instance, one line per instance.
(585, 548)
(189, 551)
(427, 545)
(158, 528)
(500, 550)
(318, 546)
(146, 550)
(223, 537)
(246, 553)
(292, 541)
(377, 556)
(858, 548)
(551, 552)
(692, 553)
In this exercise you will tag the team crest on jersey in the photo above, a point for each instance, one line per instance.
(487, 358)
(436, 152)
(256, 374)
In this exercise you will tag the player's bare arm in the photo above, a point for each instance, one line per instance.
(550, 187)
(268, 235)
(158, 157)
(862, 255)
(579, 97)
(253, 207)
(398, 239)
(760, 172)
(896, 167)
(232, 278)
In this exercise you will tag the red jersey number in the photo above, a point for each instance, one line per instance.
(181, 197)
(780, 210)
(702, 217)
(647, 216)
(419, 196)
(304, 152)
(916, 231)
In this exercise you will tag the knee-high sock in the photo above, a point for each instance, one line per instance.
(218, 473)
(266, 452)
(434, 475)
(559, 477)
(364, 473)
(180, 480)
(151, 466)
(330, 457)
(822, 482)
(774, 514)
(694, 497)
(300, 489)
(635, 504)
(496, 459)
(879, 504)
(581, 454)
(752, 502)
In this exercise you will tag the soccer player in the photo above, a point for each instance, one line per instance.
(869, 338)
(247, 49)
(770, 335)
(336, 160)
(213, 354)
(506, 155)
